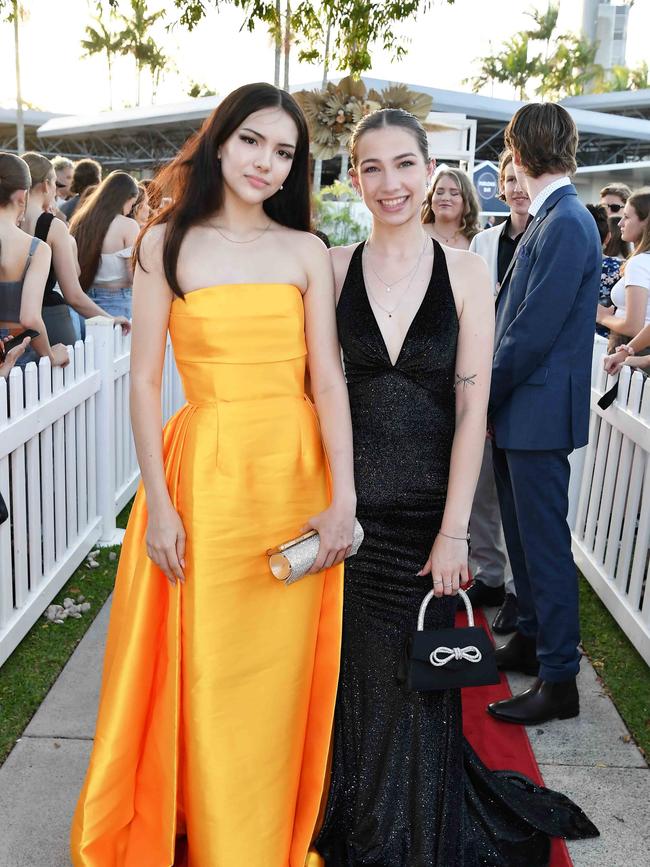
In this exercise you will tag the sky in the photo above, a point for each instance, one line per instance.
(443, 46)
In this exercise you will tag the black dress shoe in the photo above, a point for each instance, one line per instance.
(519, 653)
(505, 620)
(480, 594)
(544, 701)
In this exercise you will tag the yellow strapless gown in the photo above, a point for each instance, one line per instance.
(218, 696)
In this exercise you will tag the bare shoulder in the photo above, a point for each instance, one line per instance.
(58, 229)
(306, 244)
(463, 263)
(469, 276)
(151, 247)
(341, 257)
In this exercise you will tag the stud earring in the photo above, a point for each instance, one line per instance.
(281, 187)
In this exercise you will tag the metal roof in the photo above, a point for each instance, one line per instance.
(192, 111)
(472, 104)
(620, 100)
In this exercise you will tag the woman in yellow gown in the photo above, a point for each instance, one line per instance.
(219, 682)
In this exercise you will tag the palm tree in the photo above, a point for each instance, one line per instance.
(276, 30)
(16, 15)
(135, 39)
(546, 23)
(101, 40)
(287, 44)
(157, 62)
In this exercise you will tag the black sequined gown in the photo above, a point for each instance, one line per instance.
(406, 789)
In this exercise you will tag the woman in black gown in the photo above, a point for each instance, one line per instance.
(416, 327)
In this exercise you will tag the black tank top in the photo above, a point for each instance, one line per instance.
(41, 231)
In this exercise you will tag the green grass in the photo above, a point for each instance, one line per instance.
(28, 674)
(624, 674)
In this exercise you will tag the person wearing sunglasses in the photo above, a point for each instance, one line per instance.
(613, 197)
(64, 173)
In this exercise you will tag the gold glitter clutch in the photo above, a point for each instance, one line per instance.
(292, 560)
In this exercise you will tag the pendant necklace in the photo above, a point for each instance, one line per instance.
(447, 241)
(249, 241)
(390, 286)
(414, 271)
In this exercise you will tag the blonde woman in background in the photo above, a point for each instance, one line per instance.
(450, 211)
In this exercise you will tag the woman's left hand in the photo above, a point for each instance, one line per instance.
(447, 565)
(123, 322)
(335, 526)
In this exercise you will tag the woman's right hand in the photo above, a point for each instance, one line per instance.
(613, 363)
(12, 356)
(166, 542)
(59, 355)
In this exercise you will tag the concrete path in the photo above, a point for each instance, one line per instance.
(591, 759)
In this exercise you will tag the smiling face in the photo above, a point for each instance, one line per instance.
(632, 226)
(516, 198)
(257, 158)
(391, 174)
(447, 200)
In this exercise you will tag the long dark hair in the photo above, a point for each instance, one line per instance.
(91, 220)
(194, 182)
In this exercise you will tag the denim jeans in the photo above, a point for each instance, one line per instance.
(116, 302)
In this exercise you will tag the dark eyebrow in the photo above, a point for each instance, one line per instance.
(259, 135)
(398, 157)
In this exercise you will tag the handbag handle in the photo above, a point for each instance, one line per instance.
(429, 597)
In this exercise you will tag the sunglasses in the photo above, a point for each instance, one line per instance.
(615, 208)
(60, 185)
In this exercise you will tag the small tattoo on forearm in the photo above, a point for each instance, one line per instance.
(466, 380)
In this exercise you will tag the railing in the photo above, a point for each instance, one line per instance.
(611, 531)
(67, 468)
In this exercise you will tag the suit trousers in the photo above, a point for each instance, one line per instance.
(488, 556)
(533, 491)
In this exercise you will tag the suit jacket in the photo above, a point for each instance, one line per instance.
(486, 244)
(541, 375)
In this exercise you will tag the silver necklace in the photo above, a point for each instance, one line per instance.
(406, 291)
(390, 286)
(446, 241)
(249, 241)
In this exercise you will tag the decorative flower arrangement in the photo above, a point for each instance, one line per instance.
(333, 113)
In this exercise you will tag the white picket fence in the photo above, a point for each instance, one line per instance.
(67, 468)
(68, 459)
(611, 530)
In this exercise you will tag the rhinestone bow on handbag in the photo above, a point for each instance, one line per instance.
(450, 658)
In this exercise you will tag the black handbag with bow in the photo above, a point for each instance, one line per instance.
(450, 658)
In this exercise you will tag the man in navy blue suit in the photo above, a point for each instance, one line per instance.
(539, 409)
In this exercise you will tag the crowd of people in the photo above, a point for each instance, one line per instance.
(228, 262)
(66, 238)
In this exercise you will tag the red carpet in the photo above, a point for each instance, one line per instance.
(501, 746)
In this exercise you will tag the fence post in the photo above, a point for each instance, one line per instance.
(100, 328)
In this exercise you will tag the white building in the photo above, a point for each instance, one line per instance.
(605, 22)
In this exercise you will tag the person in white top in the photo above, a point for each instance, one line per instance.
(631, 295)
(493, 581)
(105, 236)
